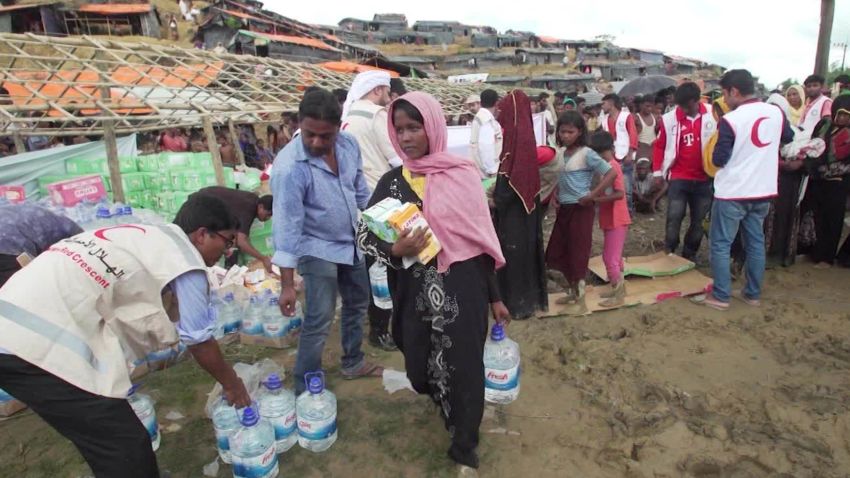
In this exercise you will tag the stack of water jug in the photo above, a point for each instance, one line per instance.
(251, 438)
(260, 319)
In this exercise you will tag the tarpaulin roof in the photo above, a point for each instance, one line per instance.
(115, 8)
(349, 67)
(12, 8)
(293, 40)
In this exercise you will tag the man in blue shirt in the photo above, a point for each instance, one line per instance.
(319, 179)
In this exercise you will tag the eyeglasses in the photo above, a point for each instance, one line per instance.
(228, 243)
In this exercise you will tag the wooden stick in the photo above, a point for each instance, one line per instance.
(214, 150)
(237, 146)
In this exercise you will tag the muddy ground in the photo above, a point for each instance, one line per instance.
(670, 390)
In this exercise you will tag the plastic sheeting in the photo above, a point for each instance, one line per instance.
(25, 169)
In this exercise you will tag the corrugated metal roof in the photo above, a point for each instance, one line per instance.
(12, 8)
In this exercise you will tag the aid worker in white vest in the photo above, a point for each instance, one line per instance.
(74, 318)
(747, 153)
(364, 115)
(621, 124)
(818, 105)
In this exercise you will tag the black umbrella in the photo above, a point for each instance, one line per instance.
(647, 85)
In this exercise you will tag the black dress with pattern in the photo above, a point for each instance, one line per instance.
(440, 325)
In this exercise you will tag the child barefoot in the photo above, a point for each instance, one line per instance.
(572, 235)
(614, 221)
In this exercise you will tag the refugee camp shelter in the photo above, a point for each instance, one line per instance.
(41, 18)
(113, 19)
(539, 56)
(286, 47)
(566, 83)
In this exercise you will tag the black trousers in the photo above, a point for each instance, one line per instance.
(8, 266)
(829, 203)
(379, 319)
(105, 430)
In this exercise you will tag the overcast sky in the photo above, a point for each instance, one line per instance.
(775, 39)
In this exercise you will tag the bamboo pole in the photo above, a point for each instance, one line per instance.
(214, 150)
(234, 138)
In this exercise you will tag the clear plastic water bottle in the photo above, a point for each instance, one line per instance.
(217, 315)
(127, 213)
(501, 367)
(275, 324)
(252, 448)
(252, 320)
(277, 405)
(296, 320)
(316, 413)
(232, 314)
(380, 286)
(103, 216)
(226, 423)
(143, 407)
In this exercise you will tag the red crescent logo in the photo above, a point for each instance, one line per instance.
(755, 134)
(99, 233)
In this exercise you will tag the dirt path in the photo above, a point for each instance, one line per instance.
(672, 390)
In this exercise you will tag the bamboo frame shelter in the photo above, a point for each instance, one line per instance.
(95, 87)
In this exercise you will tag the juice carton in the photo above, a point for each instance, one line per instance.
(376, 219)
(408, 216)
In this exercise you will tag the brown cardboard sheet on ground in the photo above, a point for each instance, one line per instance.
(654, 265)
(639, 291)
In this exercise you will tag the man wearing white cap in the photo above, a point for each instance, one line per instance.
(364, 115)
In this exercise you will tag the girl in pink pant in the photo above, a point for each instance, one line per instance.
(614, 221)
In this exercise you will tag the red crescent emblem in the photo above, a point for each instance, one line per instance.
(99, 233)
(755, 134)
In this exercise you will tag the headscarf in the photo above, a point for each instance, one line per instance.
(453, 205)
(364, 83)
(519, 148)
(796, 113)
(781, 102)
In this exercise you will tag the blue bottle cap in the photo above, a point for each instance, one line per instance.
(273, 382)
(228, 297)
(128, 210)
(497, 333)
(103, 212)
(250, 417)
(274, 301)
(133, 389)
(315, 382)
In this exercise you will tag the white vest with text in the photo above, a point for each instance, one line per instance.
(672, 130)
(90, 302)
(813, 115)
(753, 169)
(621, 140)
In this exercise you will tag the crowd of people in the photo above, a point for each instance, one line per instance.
(723, 160)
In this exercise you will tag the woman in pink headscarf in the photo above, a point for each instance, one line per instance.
(440, 309)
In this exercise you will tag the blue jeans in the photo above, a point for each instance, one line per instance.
(684, 194)
(726, 218)
(628, 179)
(322, 280)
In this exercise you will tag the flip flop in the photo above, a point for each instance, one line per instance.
(366, 370)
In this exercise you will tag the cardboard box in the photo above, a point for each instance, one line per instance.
(410, 217)
(11, 407)
(13, 194)
(73, 191)
(284, 342)
(377, 219)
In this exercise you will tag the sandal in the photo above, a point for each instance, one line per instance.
(366, 370)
